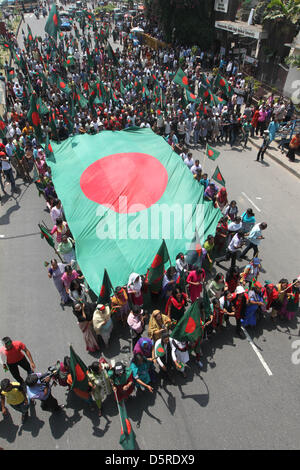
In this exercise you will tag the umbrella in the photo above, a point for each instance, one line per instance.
(137, 29)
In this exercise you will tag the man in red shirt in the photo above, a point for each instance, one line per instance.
(13, 357)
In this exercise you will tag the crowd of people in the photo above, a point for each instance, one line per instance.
(134, 86)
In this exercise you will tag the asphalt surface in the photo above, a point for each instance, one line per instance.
(232, 403)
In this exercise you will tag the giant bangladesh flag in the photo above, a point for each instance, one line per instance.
(123, 192)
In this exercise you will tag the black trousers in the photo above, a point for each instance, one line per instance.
(227, 256)
(50, 404)
(14, 369)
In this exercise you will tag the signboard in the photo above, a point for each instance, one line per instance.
(247, 31)
(221, 5)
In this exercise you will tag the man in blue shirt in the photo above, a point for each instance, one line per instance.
(254, 238)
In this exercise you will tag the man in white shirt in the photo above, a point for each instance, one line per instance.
(234, 245)
(254, 238)
(196, 167)
(7, 170)
(189, 160)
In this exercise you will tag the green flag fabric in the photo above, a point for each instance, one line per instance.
(105, 291)
(45, 234)
(222, 83)
(211, 153)
(34, 117)
(128, 193)
(217, 176)
(156, 271)
(78, 371)
(53, 22)
(190, 326)
(193, 255)
(181, 79)
(127, 438)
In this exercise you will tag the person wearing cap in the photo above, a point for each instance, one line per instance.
(13, 358)
(251, 272)
(14, 394)
(120, 304)
(121, 379)
(102, 323)
(255, 305)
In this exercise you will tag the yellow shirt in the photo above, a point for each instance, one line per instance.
(14, 396)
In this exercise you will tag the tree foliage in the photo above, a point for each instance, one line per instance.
(186, 21)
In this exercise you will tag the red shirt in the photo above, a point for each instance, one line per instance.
(14, 354)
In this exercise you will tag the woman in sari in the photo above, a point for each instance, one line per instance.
(134, 289)
(176, 305)
(287, 298)
(222, 198)
(157, 324)
(216, 286)
(55, 272)
(102, 322)
(209, 246)
(120, 304)
(84, 315)
(293, 299)
(195, 281)
(169, 280)
(100, 384)
(221, 234)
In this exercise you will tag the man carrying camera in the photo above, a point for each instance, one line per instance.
(39, 388)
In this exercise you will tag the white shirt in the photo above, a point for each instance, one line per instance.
(189, 162)
(235, 243)
(195, 168)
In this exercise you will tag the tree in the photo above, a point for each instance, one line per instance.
(283, 11)
(184, 21)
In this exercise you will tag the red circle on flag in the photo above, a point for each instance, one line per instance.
(192, 96)
(125, 182)
(50, 148)
(55, 20)
(222, 82)
(190, 326)
(35, 118)
(185, 80)
(80, 375)
(210, 153)
(62, 85)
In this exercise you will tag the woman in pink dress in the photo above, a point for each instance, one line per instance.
(195, 281)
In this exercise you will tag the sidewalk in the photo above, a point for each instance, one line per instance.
(275, 154)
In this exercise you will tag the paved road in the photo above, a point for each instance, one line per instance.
(232, 403)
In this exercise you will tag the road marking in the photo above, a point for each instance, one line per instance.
(265, 365)
(2, 236)
(257, 208)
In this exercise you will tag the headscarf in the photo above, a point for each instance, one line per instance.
(222, 196)
(137, 286)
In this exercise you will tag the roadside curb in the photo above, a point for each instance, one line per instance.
(277, 160)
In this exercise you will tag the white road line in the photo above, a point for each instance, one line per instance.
(265, 365)
(257, 208)
(2, 236)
